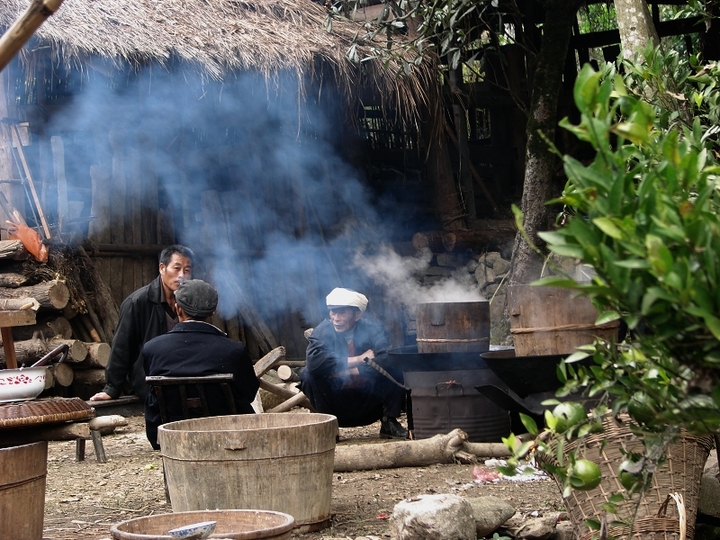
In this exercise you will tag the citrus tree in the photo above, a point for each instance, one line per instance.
(644, 213)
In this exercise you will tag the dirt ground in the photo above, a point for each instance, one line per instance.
(83, 499)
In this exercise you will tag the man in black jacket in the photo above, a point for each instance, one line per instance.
(337, 378)
(145, 314)
(194, 348)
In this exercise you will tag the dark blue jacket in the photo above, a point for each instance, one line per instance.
(195, 348)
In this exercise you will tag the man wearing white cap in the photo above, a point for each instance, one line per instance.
(337, 378)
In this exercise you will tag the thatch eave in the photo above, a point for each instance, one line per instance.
(218, 37)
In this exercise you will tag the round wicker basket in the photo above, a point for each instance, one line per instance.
(656, 516)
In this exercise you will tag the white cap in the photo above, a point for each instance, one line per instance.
(340, 297)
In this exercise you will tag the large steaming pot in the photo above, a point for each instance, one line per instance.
(453, 327)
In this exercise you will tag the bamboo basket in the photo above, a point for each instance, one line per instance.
(657, 517)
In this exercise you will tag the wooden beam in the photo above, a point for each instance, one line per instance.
(24, 27)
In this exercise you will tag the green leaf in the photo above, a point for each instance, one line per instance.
(607, 316)
(576, 357)
(586, 86)
(529, 423)
(637, 264)
(607, 226)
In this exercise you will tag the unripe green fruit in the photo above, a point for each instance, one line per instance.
(568, 414)
(585, 475)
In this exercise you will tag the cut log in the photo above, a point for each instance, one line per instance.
(13, 250)
(12, 280)
(278, 390)
(63, 432)
(90, 377)
(45, 328)
(105, 308)
(51, 294)
(97, 356)
(298, 400)
(77, 350)
(286, 373)
(19, 304)
(489, 233)
(30, 351)
(107, 424)
(420, 453)
(269, 361)
(62, 374)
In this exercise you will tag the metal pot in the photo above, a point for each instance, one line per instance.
(23, 384)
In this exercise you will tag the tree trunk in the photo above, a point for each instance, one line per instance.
(90, 377)
(437, 449)
(636, 26)
(541, 164)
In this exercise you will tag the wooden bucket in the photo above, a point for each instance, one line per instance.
(22, 491)
(548, 321)
(281, 462)
(453, 327)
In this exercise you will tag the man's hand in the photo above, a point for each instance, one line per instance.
(355, 361)
(101, 396)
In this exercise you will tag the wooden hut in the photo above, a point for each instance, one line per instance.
(226, 126)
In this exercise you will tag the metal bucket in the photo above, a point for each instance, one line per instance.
(446, 400)
(23, 471)
(280, 462)
(453, 327)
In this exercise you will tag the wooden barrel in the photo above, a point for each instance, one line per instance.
(281, 462)
(23, 470)
(551, 320)
(453, 327)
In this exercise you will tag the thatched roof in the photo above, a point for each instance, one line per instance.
(216, 36)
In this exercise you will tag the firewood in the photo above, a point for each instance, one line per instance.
(420, 453)
(90, 377)
(47, 327)
(287, 374)
(30, 351)
(268, 361)
(91, 328)
(51, 294)
(77, 350)
(98, 355)
(446, 241)
(104, 306)
(298, 400)
(278, 390)
(19, 304)
(63, 375)
(13, 249)
(12, 280)
(107, 424)
(62, 432)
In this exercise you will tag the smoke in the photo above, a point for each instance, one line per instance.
(401, 278)
(254, 180)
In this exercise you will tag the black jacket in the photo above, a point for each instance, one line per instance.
(327, 356)
(142, 317)
(195, 349)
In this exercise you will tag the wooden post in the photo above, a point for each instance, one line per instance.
(24, 27)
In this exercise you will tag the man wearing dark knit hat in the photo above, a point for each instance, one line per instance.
(194, 347)
(337, 378)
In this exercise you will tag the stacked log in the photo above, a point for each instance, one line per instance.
(64, 316)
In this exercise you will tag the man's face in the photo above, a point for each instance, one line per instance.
(177, 270)
(344, 318)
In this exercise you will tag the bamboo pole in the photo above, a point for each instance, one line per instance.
(24, 27)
